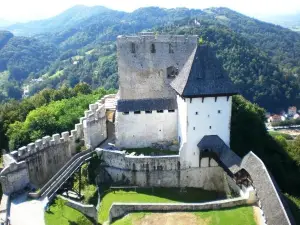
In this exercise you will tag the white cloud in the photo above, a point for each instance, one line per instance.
(37, 9)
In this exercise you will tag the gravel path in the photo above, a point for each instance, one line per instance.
(26, 212)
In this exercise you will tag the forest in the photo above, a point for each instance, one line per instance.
(262, 59)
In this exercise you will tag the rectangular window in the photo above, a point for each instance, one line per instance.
(209, 127)
(219, 111)
(137, 112)
(125, 113)
(171, 50)
(132, 47)
(194, 128)
(196, 113)
(148, 112)
(171, 110)
(153, 50)
(160, 111)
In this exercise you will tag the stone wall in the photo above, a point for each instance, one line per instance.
(144, 129)
(118, 210)
(88, 210)
(161, 171)
(37, 162)
(145, 71)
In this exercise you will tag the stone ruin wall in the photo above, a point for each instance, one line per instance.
(146, 72)
(163, 171)
(37, 162)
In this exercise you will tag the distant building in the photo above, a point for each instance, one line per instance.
(292, 111)
(296, 116)
(275, 118)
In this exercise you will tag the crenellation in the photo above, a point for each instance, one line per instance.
(46, 141)
(39, 144)
(65, 136)
(22, 151)
(31, 148)
(56, 138)
(93, 107)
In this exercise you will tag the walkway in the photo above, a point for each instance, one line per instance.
(24, 212)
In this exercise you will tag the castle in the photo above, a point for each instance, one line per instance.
(171, 89)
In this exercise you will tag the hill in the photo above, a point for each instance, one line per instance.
(66, 19)
(262, 59)
(20, 56)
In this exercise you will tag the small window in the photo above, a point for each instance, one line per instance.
(132, 47)
(137, 112)
(153, 50)
(219, 111)
(160, 111)
(171, 110)
(196, 113)
(209, 127)
(148, 112)
(125, 113)
(194, 128)
(172, 72)
(171, 50)
(208, 115)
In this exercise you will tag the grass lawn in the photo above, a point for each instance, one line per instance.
(68, 216)
(277, 133)
(151, 151)
(236, 216)
(159, 195)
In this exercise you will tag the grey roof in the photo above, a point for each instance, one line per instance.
(267, 193)
(127, 105)
(226, 156)
(203, 75)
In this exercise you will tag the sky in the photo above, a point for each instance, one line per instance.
(25, 10)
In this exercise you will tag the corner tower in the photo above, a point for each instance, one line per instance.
(204, 99)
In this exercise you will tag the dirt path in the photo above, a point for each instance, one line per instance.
(257, 215)
(171, 219)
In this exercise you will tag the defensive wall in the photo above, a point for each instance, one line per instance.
(118, 210)
(164, 171)
(37, 162)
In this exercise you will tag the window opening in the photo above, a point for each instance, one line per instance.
(160, 111)
(172, 72)
(171, 50)
(137, 112)
(125, 113)
(153, 50)
(171, 110)
(148, 112)
(132, 47)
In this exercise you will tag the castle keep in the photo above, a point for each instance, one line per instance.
(171, 90)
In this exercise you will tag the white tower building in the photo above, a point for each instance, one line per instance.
(204, 99)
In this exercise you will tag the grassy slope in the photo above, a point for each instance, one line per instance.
(240, 215)
(70, 216)
(160, 195)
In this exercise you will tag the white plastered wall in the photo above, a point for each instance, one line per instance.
(142, 130)
(204, 118)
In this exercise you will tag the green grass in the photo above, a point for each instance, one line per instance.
(69, 216)
(238, 216)
(276, 133)
(294, 204)
(151, 151)
(159, 195)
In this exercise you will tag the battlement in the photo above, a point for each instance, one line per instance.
(151, 37)
(96, 112)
